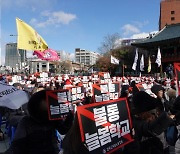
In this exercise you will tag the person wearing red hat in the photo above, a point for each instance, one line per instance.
(67, 84)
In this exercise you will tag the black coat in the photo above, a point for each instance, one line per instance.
(145, 140)
(32, 137)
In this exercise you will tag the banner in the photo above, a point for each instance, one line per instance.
(28, 38)
(106, 91)
(158, 58)
(114, 60)
(49, 55)
(149, 64)
(135, 60)
(105, 127)
(177, 73)
(142, 63)
(12, 97)
(59, 104)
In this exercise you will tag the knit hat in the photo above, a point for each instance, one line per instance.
(143, 102)
(156, 88)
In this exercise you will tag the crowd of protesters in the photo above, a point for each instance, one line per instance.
(154, 106)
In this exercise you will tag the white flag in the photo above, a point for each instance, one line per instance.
(158, 59)
(142, 63)
(114, 60)
(149, 64)
(135, 60)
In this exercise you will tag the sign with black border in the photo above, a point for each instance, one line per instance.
(59, 104)
(105, 127)
(106, 91)
(77, 93)
(177, 73)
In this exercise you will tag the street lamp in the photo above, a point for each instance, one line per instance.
(12, 35)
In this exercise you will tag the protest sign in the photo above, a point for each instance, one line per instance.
(105, 127)
(95, 77)
(177, 73)
(106, 91)
(59, 104)
(104, 77)
(77, 93)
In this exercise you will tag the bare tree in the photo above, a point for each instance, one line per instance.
(109, 43)
(66, 66)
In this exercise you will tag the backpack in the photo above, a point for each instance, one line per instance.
(171, 135)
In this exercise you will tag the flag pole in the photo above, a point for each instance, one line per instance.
(123, 69)
(161, 72)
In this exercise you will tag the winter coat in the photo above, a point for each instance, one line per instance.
(32, 137)
(146, 133)
(177, 145)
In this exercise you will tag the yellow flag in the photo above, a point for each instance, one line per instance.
(149, 64)
(28, 38)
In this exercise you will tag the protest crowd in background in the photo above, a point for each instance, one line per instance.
(90, 114)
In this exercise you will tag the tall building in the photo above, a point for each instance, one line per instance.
(169, 13)
(65, 55)
(14, 58)
(85, 57)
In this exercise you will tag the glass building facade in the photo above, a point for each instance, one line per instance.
(14, 57)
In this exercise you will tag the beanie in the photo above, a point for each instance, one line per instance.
(143, 102)
(156, 88)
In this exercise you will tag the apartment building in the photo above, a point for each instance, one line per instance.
(169, 13)
(86, 57)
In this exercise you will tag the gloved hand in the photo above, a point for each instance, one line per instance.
(64, 125)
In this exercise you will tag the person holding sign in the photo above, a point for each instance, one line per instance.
(72, 141)
(35, 133)
(103, 127)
